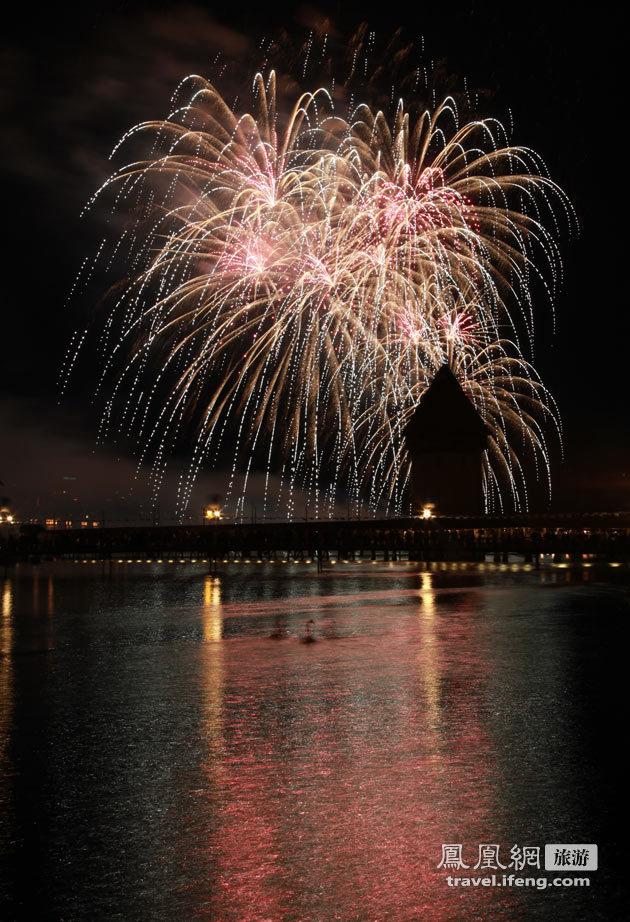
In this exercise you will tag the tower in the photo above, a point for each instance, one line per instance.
(446, 438)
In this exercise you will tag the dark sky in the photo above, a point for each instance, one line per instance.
(74, 82)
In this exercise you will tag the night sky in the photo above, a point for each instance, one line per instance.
(74, 82)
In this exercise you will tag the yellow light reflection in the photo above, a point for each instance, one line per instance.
(212, 609)
(429, 656)
(6, 671)
(213, 681)
(427, 594)
(7, 610)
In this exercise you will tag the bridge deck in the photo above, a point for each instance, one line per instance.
(456, 537)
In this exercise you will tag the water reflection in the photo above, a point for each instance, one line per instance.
(212, 614)
(190, 767)
(50, 597)
(348, 768)
(428, 673)
(6, 727)
(6, 643)
(7, 606)
(214, 680)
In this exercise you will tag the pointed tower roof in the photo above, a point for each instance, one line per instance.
(445, 419)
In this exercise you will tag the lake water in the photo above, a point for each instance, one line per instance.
(164, 757)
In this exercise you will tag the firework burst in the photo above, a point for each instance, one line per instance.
(295, 284)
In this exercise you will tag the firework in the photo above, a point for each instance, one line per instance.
(295, 285)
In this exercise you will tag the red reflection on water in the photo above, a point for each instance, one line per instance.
(336, 771)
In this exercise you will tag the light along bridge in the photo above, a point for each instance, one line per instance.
(604, 536)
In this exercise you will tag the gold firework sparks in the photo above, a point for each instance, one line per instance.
(294, 289)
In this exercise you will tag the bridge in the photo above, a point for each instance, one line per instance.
(603, 536)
